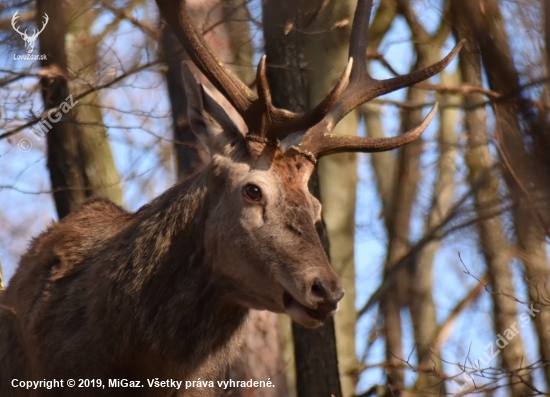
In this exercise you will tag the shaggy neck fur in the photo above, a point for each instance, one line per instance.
(167, 280)
(107, 294)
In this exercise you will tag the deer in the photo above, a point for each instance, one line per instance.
(29, 40)
(163, 293)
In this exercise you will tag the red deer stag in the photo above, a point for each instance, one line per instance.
(164, 292)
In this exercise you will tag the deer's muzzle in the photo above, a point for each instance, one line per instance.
(319, 303)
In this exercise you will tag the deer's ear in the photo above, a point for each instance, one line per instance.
(208, 120)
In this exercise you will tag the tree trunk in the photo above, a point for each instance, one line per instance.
(64, 161)
(260, 358)
(101, 178)
(191, 154)
(383, 164)
(398, 222)
(522, 171)
(327, 56)
(493, 242)
(422, 306)
(79, 156)
(315, 350)
(414, 288)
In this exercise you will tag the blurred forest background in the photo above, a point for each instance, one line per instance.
(442, 245)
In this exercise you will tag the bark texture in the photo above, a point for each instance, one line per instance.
(522, 168)
(422, 305)
(80, 161)
(382, 163)
(287, 63)
(327, 56)
(101, 178)
(64, 162)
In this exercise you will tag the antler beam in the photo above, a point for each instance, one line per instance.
(15, 27)
(317, 144)
(261, 117)
(269, 123)
(236, 92)
(318, 140)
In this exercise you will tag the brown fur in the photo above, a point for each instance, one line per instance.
(106, 294)
(164, 292)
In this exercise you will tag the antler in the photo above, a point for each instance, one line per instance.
(15, 16)
(36, 33)
(318, 141)
(263, 120)
(24, 34)
(268, 123)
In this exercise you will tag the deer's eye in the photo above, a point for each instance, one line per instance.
(253, 192)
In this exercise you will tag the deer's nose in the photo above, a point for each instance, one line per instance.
(323, 292)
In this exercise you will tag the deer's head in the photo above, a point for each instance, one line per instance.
(29, 40)
(262, 234)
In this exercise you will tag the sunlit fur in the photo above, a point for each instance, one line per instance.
(164, 292)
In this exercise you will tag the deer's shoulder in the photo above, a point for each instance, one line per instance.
(64, 245)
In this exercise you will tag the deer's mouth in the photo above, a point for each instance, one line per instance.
(304, 315)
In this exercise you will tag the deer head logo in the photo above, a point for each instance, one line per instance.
(29, 40)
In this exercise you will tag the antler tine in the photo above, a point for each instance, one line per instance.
(362, 88)
(14, 21)
(38, 31)
(277, 122)
(238, 94)
(360, 37)
(317, 145)
(285, 122)
(261, 83)
(270, 123)
(318, 141)
(262, 118)
(264, 99)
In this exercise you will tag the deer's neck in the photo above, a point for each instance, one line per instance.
(180, 308)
